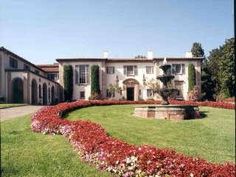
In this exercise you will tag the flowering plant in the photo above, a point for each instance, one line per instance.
(95, 146)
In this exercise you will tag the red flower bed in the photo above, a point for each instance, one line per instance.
(95, 146)
(219, 104)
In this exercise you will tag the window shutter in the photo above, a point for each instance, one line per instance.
(113, 68)
(183, 68)
(125, 70)
(76, 74)
(135, 70)
(87, 73)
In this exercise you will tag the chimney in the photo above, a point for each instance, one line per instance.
(105, 54)
(188, 55)
(150, 54)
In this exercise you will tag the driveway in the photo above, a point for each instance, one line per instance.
(10, 113)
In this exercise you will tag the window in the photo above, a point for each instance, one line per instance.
(52, 76)
(130, 70)
(81, 74)
(13, 63)
(40, 93)
(36, 71)
(110, 93)
(82, 95)
(178, 69)
(149, 93)
(149, 69)
(26, 67)
(110, 70)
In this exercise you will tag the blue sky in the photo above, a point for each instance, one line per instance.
(42, 30)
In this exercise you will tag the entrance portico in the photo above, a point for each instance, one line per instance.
(131, 89)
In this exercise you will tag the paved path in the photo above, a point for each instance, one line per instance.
(10, 113)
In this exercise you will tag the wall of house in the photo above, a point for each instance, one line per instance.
(119, 72)
(6, 78)
(27, 78)
(106, 79)
(85, 87)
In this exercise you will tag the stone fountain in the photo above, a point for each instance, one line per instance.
(166, 110)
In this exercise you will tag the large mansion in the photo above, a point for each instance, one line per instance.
(22, 81)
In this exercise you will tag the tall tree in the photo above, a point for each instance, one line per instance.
(68, 82)
(227, 69)
(197, 50)
(208, 85)
(221, 66)
(95, 86)
(191, 77)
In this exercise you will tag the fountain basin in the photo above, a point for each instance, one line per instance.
(168, 112)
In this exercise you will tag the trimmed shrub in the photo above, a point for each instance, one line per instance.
(191, 77)
(95, 86)
(68, 82)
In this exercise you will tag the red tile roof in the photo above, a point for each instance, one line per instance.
(50, 68)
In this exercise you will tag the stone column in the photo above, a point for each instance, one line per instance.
(136, 92)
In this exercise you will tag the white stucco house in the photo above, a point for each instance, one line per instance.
(23, 82)
(131, 75)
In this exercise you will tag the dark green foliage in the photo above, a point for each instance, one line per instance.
(222, 68)
(197, 50)
(95, 86)
(208, 84)
(68, 82)
(191, 77)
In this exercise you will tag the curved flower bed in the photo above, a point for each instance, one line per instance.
(108, 153)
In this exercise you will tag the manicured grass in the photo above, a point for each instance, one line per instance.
(212, 138)
(25, 153)
(3, 105)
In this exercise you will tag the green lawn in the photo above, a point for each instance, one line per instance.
(3, 105)
(212, 138)
(25, 153)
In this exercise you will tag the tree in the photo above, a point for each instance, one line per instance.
(227, 69)
(208, 85)
(68, 82)
(221, 66)
(197, 50)
(95, 86)
(191, 77)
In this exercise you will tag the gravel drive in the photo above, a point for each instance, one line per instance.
(10, 113)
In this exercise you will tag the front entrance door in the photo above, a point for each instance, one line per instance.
(130, 93)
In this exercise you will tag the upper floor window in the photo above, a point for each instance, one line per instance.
(36, 71)
(81, 74)
(130, 70)
(178, 68)
(52, 76)
(149, 69)
(110, 69)
(26, 67)
(13, 63)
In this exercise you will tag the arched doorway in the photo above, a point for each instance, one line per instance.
(45, 95)
(132, 89)
(17, 90)
(52, 95)
(34, 92)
